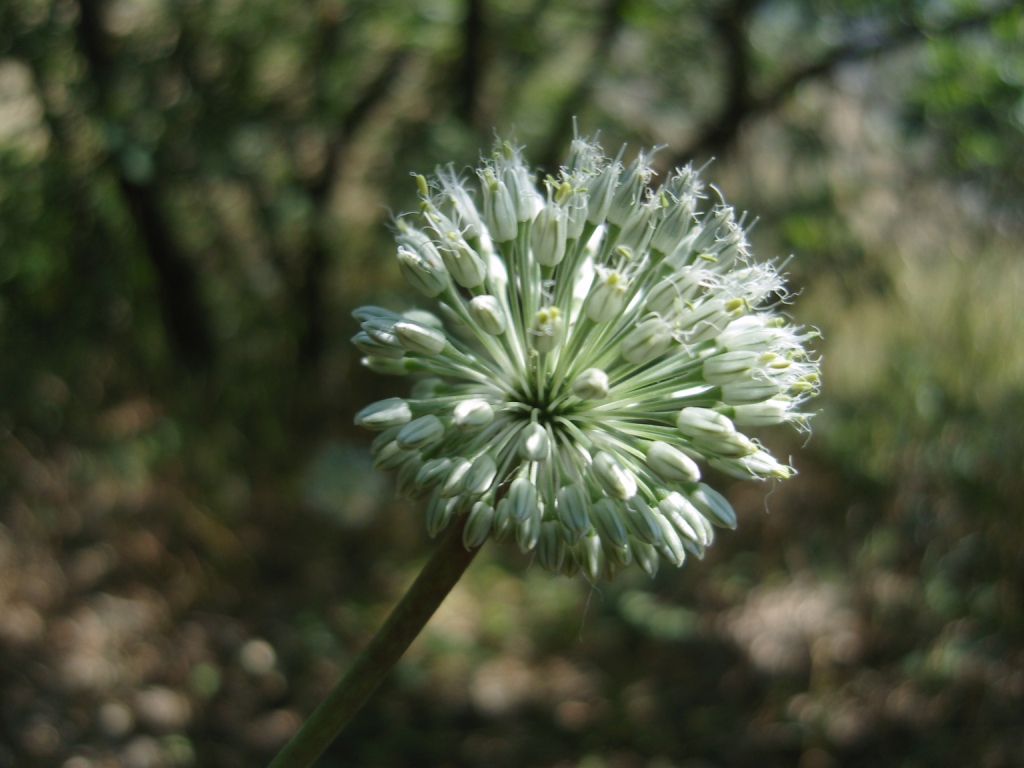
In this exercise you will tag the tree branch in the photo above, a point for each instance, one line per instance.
(720, 134)
(185, 316)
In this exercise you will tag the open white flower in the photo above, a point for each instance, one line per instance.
(602, 341)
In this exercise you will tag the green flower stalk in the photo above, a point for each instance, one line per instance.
(598, 343)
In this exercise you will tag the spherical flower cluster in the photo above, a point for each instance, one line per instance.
(595, 344)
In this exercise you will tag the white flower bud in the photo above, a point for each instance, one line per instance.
(528, 530)
(470, 415)
(550, 547)
(670, 293)
(706, 320)
(759, 464)
(373, 312)
(422, 317)
(546, 332)
(765, 414)
(391, 456)
(675, 225)
(381, 330)
(649, 340)
(406, 482)
(728, 366)
(386, 366)
(440, 511)
(421, 432)
(480, 476)
(454, 482)
(646, 558)
(628, 194)
(602, 189)
(463, 263)
(713, 505)
(533, 443)
(503, 525)
(423, 273)
(374, 348)
(643, 521)
(393, 412)
(749, 332)
(671, 547)
(420, 339)
(571, 507)
(433, 472)
(461, 201)
(617, 481)
(671, 464)
(592, 384)
(639, 226)
(486, 311)
(385, 437)
(590, 557)
(749, 390)
(677, 509)
(548, 235)
(607, 519)
(732, 444)
(499, 208)
(478, 525)
(703, 422)
(522, 498)
(607, 296)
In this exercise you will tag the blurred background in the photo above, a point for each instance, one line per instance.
(193, 197)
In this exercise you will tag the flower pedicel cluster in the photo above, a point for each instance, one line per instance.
(599, 342)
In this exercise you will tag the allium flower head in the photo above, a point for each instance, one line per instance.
(598, 344)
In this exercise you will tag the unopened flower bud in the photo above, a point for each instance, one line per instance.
(671, 547)
(728, 366)
(480, 476)
(472, 414)
(533, 443)
(499, 208)
(607, 519)
(420, 339)
(678, 510)
(749, 390)
(592, 384)
(703, 422)
(423, 273)
(433, 472)
(374, 348)
(617, 481)
(607, 296)
(671, 464)
(649, 340)
(421, 432)
(548, 235)
(391, 456)
(764, 414)
(643, 521)
(759, 464)
(522, 497)
(440, 512)
(423, 317)
(571, 507)
(454, 482)
(602, 189)
(550, 546)
(670, 293)
(393, 412)
(486, 311)
(713, 505)
(463, 263)
(478, 525)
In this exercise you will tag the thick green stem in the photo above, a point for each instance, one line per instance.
(435, 581)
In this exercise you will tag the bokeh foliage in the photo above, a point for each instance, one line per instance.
(195, 194)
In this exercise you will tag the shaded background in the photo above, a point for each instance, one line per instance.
(194, 195)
